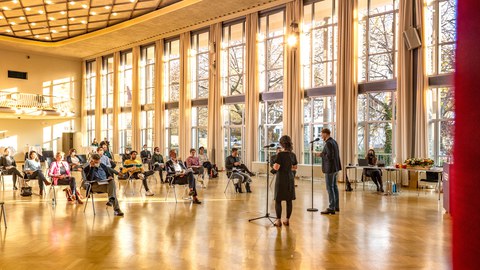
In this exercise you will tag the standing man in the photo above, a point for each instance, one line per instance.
(330, 167)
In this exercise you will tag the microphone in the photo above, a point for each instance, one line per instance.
(316, 140)
(269, 145)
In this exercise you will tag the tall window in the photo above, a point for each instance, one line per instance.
(271, 125)
(234, 128)
(377, 39)
(200, 64)
(172, 70)
(171, 130)
(199, 126)
(107, 98)
(147, 95)
(125, 117)
(375, 124)
(440, 33)
(271, 51)
(171, 82)
(233, 59)
(319, 113)
(319, 44)
(441, 123)
(270, 43)
(91, 78)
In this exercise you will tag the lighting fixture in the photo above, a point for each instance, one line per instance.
(54, 31)
(37, 36)
(33, 24)
(8, 31)
(93, 13)
(62, 12)
(47, 38)
(132, 1)
(108, 7)
(84, 6)
(1, 17)
(64, 26)
(72, 19)
(12, 23)
(48, 2)
(40, 12)
(27, 31)
(84, 22)
(15, 1)
(72, 3)
(51, 18)
(28, 9)
(22, 18)
(114, 14)
(5, 8)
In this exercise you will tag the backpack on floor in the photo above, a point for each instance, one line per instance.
(26, 191)
(214, 172)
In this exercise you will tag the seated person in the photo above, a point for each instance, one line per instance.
(74, 161)
(33, 170)
(126, 156)
(9, 167)
(106, 151)
(60, 173)
(234, 166)
(180, 174)
(135, 169)
(157, 162)
(375, 174)
(145, 155)
(101, 179)
(194, 163)
(203, 158)
(105, 160)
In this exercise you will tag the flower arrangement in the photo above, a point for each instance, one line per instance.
(419, 162)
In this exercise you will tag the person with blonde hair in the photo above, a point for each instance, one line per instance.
(60, 172)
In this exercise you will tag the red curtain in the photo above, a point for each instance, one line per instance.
(465, 181)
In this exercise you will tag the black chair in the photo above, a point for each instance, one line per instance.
(89, 192)
(171, 180)
(3, 214)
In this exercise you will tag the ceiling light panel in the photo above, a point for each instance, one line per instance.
(55, 20)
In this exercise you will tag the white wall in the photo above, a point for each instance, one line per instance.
(41, 70)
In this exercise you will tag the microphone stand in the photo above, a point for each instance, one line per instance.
(267, 215)
(312, 209)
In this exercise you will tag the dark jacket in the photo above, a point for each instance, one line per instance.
(331, 157)
(5, 163)
(145, 155)
(170, 168)
(157, 158)
(229, 162)
(88, 172)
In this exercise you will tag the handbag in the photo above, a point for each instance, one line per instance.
(69, 194)
(26, 192)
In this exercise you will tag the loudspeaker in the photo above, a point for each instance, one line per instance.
(412, 39)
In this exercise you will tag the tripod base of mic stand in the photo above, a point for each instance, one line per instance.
(312, 210)
(267, 215)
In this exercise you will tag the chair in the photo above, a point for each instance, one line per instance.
(2, 180)
(3, 214)
(427, 179)
(90, 192)
(52, 186)
(366, 178)
(197, 176)
(27, 179)
(170, 179)
(230, 175)
(130, 180)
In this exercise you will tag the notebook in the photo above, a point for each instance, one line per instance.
(362, 162)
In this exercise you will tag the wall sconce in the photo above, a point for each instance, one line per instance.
(292, 39)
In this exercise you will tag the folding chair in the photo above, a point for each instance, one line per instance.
(90, 192)
(3, 214)
(171, 184)
(230, 175)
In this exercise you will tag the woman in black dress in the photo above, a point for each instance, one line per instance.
(285, 165)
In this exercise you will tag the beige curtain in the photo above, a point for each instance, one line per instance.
(252, 97)
(159, 123)
(135, 99)
(98, 99)
(405, 87)
(185, 104)
(346, 82)
(421, 140)
(293, 94)
(116, 101)
(215, 100)
(83, 104)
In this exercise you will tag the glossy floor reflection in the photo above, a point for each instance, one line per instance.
(371, 232)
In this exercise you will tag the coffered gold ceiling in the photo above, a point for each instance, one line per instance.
(103, 33)
(54, 20)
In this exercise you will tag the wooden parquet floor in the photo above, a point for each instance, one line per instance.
(371, 232)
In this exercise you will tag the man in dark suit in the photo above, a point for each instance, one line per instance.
(330, 167)
(145, 154)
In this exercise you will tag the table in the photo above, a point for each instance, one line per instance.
(388, 179)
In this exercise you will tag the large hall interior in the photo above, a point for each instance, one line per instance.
(239, 134)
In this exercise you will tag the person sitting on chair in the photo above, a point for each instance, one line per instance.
(375, 174)
(126, 156)
(234, 166)
(145, 155)
(60, 173)
(176, 169)
(106, 152)
(33, 170)
(9, 167)
(74, 161)
(203, 159)
(194, 163)
(157, 162)
(135, 169)
(105, 160)
(97, 173)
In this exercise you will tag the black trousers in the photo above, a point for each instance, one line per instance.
(159, 169)
(69, 181)
(208, 165)
(278, 208)
(144, 180)
(38, 174)
(14, 172)
(187, 178)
